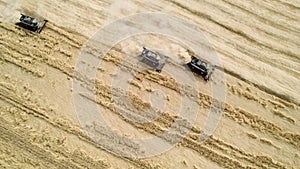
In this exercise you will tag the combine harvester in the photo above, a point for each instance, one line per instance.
(196, 65)
(153, 59)
(32, 24)
(201, 67)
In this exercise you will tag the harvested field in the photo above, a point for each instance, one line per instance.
(258, 43)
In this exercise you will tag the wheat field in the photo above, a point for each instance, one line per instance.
(258, 42)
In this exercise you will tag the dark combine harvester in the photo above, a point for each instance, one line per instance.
(201, 67)
(32, 24)
(153, 59)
